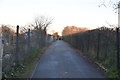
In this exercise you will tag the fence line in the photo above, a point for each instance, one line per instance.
(1, 53)
(19, 47)
(117, 45)
(99, 44)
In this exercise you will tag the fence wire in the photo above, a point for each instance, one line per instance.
(99, 44)
(18, 46)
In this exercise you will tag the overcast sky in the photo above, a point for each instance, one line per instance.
(81, 13)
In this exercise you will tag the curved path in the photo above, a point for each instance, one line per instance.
(61, 61)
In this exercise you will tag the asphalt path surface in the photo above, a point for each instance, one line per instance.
(61, 61)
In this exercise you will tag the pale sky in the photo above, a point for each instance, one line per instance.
(80, 13)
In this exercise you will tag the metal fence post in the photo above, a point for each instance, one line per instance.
(117, 38)
(1, 54)
(98, 45)
(28, 41)
(117, 45)
(17, 46)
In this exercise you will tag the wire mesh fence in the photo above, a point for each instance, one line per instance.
(1, 53)
(99, 44)
(19, 47)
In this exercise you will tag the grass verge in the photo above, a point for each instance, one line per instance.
(113, 74)
(26, 67)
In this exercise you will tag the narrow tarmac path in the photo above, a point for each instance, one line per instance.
(61, 61)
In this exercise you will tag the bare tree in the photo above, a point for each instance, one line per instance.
(40, 25)
(23, 29)
(42, 22)
(110, 3)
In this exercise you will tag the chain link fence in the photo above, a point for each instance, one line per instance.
(19, 47)
(99, 44)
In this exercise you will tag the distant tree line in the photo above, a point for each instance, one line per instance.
(72, 29)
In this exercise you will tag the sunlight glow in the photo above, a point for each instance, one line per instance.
(80, 13)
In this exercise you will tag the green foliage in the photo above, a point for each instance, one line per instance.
(33, 53)
(21, 70)
(112, 74)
